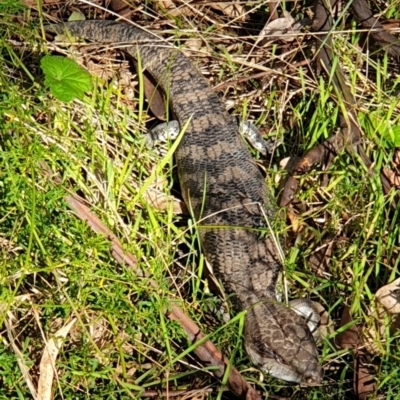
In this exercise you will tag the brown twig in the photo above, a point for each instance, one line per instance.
(349, 137)
(207, 352)
(225, 85)
(384, 39)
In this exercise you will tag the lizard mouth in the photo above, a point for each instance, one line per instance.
(274, 368)
(279, 343)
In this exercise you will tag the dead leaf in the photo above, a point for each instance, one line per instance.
(48, 362)
(12, 338)
(321, 257)
(296, 222)
(388, 297)
(386, 310)
(393, 174)
(350, 338)
(285, 28)
(364, 381)
(393, 177)
(325, 326)
(391, 24)
(155, 98)
(155, 196)
(121, 7)
(167, 4)
(386, 302)
(194, 44)
(162, 202)
(231, 9)
(171, 7)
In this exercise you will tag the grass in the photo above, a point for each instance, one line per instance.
(53, 268)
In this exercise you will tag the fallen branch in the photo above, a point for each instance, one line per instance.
(349, 136)
(207, 352)
(384, 39)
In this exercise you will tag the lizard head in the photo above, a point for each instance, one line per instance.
(279, 343)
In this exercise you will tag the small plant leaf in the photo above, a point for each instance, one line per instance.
(76, 16)
(396, 135)
(386, 134)
(66, 79)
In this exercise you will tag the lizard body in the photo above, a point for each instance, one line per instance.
(227, 194)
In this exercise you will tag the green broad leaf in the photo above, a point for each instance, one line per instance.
(386, 134)
(76, 16)
(390, 136)
(66, 79)
(396, 135)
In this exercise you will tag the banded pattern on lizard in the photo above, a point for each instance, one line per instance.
(227, 194)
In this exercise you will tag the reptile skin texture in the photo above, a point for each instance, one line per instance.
(227, 194)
